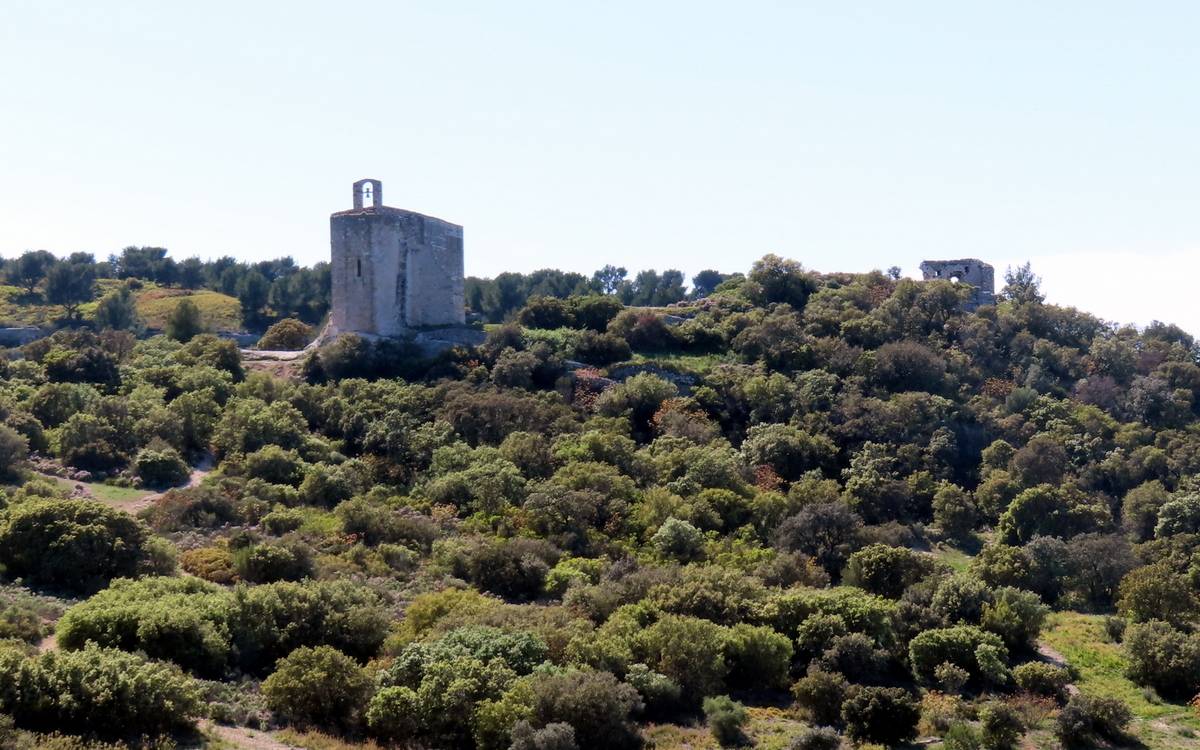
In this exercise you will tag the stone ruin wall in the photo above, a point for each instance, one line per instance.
(971, 271)
(433, 289)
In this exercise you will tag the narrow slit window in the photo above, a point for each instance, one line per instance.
(358, 266)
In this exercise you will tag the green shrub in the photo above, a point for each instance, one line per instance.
(78, 545)
(954, 511)
(726, 719)
(558, 736)
(1016, 616)
(14, 447)
(184, 321)
(1000, 726)
(855, 656)
(820, 695)
(25, 616)
(879, 714)
(319, 686)
(595, 704)
(714, 592)
(288, 334)
(689, 650)
(426, 693)
(183, 620)
(595, 311)
(266, 563)
(962, 736)
(99, 691)
(89, 442)
(515, 568)
(678, 540)
(859, 611)
(886, 571)
(270, 621)
(958, 645)
(284, 520)
(518, 651)
(1086, 719)
(758, 657)
(275, 465)
(394, 713)
(951, 677)
(1156, 592)
(162, 467)
(601, 349)
(660, 694)
(960, 598)
(1163, 658)
(1042, 679)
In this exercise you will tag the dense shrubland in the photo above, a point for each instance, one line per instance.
(605, 516)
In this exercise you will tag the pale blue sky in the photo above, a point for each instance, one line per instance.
(847, 135)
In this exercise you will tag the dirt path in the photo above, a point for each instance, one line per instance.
(1053, 656)
(244, 738)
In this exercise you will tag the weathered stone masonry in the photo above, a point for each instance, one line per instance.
(393, 270)
(966, 271)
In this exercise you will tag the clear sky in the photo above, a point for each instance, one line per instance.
(848, 135)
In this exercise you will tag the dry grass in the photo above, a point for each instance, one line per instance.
(311, 740)
(769, 729)
(220, 312)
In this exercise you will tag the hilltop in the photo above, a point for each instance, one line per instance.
(782, 508)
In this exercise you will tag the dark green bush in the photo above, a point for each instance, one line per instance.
(100, 691)
(1042, 679)
(319, 686)
(726, 719)
(1163, 658)
(162, 467)
(601, 349)
(821, 695)
(13, 449)
(879, 714)
(855, 656)
(275, 465)
(958, 645)
(886, 571)
(660, 694)
(1086, 719)
(77, 545)
(546, 312)
(558, 736)
(595, 704)
(272, 620)
(1000, 726)
(183, 620)
(269, 562)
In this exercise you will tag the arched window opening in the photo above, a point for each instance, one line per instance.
(367, 195)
